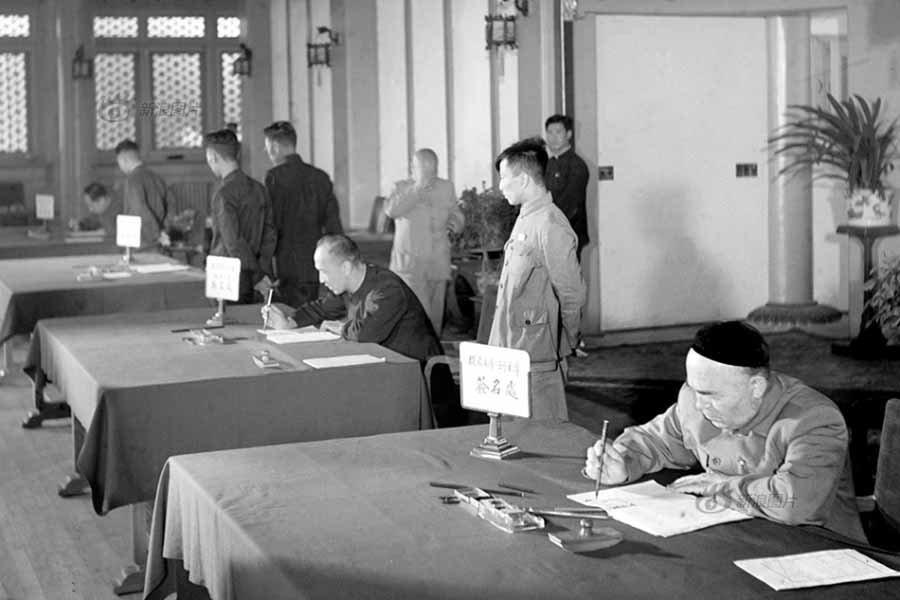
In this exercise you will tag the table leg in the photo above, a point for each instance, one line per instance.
(75, 484)
(131, 581)
(185, 590)
(4, 359)
(44, 407)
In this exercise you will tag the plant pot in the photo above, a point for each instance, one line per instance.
(866, 208)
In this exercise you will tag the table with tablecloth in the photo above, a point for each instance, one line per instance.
(143, 394)
(40, 288)
(16, 243)
(356, 518)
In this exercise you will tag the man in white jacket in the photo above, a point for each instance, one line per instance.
(425, 209)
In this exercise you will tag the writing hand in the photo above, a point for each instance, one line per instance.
(277, 318)
(614, 471)
(704, 484)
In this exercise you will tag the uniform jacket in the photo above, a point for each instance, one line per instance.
(789, 464)
(541, 291)
(147, 197)
(242, 223)
(422, 217)
(304, 209)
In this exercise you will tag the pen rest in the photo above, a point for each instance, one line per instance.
(498, 512)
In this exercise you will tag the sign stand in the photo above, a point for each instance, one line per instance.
(128, 234)
(44, 210)
(495, 381)
(223, 281)
(495, 446)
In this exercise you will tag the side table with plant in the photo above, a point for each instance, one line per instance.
(884, 304)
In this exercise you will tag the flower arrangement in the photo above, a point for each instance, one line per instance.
(179, 226)
(885, 300)
(489, 221)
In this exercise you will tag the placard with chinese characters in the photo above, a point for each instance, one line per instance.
(494, 380)
(128, 231)
(43, 206)
(223, 277)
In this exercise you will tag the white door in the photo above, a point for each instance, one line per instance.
(680, 101)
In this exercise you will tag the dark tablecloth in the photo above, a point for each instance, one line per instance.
(41, 288)
(357, 519)
(143, 394)
(15, 243)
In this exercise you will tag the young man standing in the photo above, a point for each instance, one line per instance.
(304, 209)
(541, 292)
(146, 195)
(241, 214)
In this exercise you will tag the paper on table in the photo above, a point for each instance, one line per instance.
(342, 361)
(811, 569)
(159, 268)
(650, 507)
(116, 275)
(295, 336)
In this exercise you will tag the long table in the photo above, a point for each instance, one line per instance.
(140, 394)
(357, 519)
(16, 243)
(40, 288)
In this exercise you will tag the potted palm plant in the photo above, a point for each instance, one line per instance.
(853, 144)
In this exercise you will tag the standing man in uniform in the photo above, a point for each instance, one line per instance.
(567, 176)
(241, 214)
(425, 209)
(541, 292)
(146, 195)
(304, 209)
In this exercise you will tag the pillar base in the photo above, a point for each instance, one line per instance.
(794, 314)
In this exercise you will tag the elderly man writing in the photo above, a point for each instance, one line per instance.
(378, 306)
(769, 445)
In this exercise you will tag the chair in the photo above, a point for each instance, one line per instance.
(442, 381)
(881, 511)
(12, 204)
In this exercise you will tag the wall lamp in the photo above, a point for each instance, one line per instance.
(82, 66)
(243, 64)
(318, 53)
(500, 28)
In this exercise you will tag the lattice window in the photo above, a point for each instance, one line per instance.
(115, 27)
(15, 25)
(176, 27)
(228, 27)
(231, 91)
(114, 92)
(13, 102)
(177, 100)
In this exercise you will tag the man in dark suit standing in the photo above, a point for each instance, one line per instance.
(567, 176)
(304, 209)
(146, 195)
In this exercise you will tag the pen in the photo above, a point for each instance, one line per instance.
(593, 513)
(268, 304)
(184, 329)
(600, 458)
(515, 488)
(456, 486)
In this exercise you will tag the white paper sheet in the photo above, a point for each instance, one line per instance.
(159, 268)
(296, 336)
(657, 510)
(811, 569)
(342, 361)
